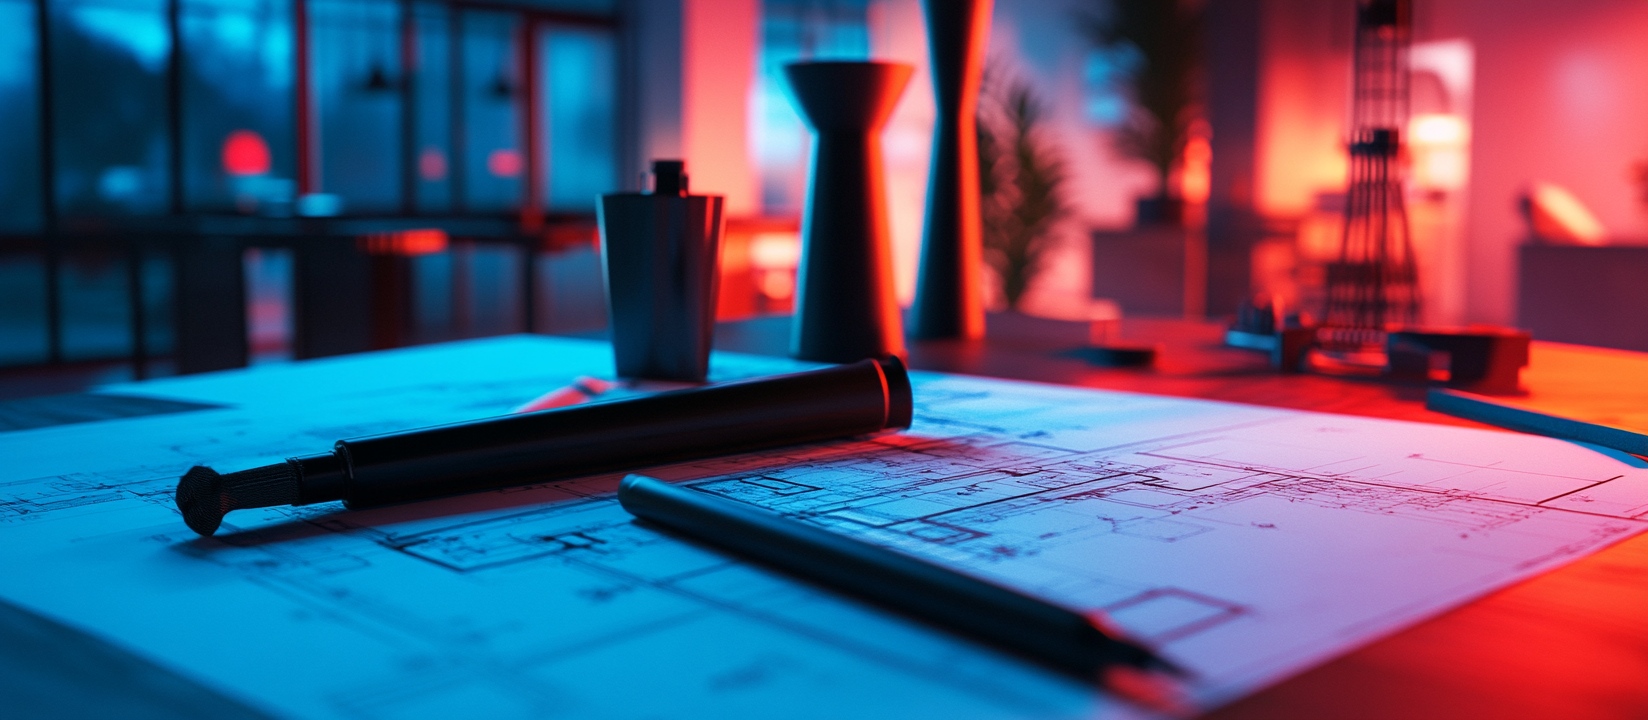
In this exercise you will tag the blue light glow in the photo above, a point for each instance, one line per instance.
(17, 47)
(1105, 77)
(793, 30)
(580, 113)
(20, 194)
(134, 27)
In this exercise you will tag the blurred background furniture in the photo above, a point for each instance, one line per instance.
(1583, 294)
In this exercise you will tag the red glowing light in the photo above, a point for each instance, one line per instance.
(432, 164)
(504, 163)
(777, 285)
(407, 242)
(245, 153)
(1195, 176)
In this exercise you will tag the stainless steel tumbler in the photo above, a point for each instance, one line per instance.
(659, 251)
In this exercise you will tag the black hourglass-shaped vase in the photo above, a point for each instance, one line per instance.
(948, 301)
(845, 308)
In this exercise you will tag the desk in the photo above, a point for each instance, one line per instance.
(1570, 643)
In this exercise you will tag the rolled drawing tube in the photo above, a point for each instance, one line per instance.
(842, 401)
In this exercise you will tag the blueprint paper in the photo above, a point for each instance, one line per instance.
(1246, 543)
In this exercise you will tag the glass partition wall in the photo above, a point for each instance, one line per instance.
(175, 173)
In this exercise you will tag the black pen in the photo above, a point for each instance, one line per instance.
(1055, 636)
(860, 398)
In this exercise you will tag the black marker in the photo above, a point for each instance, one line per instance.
(856, 399)
(1058, 637)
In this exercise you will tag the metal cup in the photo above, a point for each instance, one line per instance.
(659, 252)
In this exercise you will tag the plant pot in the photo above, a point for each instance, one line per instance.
(1158, 211)
(1141, 268)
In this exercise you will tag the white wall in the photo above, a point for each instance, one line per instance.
(1561, 95)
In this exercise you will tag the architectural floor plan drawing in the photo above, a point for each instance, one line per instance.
(1246, 543)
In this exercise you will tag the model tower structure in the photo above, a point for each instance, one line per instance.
(1373, 285)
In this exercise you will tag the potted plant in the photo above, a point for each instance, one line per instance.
(1021, 184)
(1158, 46)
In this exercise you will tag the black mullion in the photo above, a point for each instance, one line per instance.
(48, 186)
(302, 132)
(178, 204)
(174, 106)
(557, 16)
(455, 105)
(134, 298)
(409, 141)
(532, 142)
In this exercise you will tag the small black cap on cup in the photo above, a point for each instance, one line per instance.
(669, 177)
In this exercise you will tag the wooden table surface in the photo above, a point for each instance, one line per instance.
(1572, 643)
